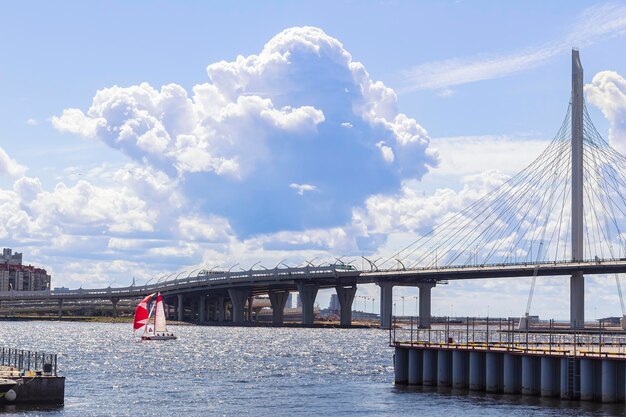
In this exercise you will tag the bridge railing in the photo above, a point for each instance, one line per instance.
(502, 335)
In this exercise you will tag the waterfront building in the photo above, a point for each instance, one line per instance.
(18, 277)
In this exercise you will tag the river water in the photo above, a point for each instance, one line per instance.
(249, 371)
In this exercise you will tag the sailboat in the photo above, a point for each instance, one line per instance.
(156, 330)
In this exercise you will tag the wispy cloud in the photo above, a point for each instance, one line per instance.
(593, 25)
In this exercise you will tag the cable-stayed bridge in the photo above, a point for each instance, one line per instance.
(563, 215)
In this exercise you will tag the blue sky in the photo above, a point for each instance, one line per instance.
(347, 134)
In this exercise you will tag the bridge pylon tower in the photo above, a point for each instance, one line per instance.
(577, 280)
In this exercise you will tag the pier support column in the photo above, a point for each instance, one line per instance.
(460, 369)
(250, 303)
(587, 379)
(278, 300)
(181, 307)
(114, 301)
(609, 381)
(477, 371)
(416, 366)
(549, 376)
(568, 378)
(308, 292)
(238, 299)
(386, 304)
(202, 316)
(401, 366)
(221, 311)
(60, 311)
(531, 377)
(429, 376)
(494, 373)
(424, 305)
(512, 374)
(444, 368)
(346, 297)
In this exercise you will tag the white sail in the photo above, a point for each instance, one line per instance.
(159, 317)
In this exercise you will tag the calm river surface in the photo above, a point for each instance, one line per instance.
(248, 371)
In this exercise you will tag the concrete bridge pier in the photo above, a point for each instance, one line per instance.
(250, 302)
(278, 299)
(238, 298)
(308, 292)
(180, 307)
(346, 297)
(114, 301)
(386, 304)
(60, 308)
(202, 307)
(221, 311)
(424, 304)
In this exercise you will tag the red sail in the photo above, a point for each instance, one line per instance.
(141, 313)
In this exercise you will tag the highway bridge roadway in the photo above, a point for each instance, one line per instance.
(216, 295)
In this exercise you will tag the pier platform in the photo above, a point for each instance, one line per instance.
(35, 377)
(568, 365)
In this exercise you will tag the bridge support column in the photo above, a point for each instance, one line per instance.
(60, 308)
(424, 304)
(250, 302)
(346, 297)
(307, 292)
(238, 299)
(221, 313)
(181, 307)
(386, 304)
(202, 315)
(278, 299)
(114, 301)
(577, 300)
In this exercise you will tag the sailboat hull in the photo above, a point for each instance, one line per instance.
(158, 337)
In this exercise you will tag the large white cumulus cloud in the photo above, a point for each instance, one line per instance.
(607, 91)
(300, 112)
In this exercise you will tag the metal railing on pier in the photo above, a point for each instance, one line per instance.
(503, 335)
(23, 361)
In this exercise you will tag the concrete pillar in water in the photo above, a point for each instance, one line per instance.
(494, 371)
(308, 292)
(416, 369)
(181, 308)
(477, 371)
(114, 301)
(250, 303)
(424, 304)
(530, 375)
(346, 297)
(221, 313)
(60, 308)
(202, 316)
(444, 368)
(386, 304)
(512, 374)
(278, 300)
(549, 376)
(460, 369)
(401, 366)
(587, 379)
(238, 299)
(429, 376)
(609, 381)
